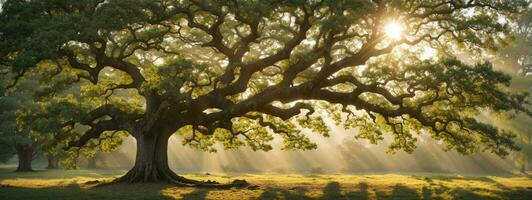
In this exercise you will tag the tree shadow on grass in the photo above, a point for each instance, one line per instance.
(426, 193)
(333, 191)
(401, 192)
(198, 194)
(518, 193)
(475, 193)
(440, 192)
(398, 192)
(465, 194)
(278, 193)
(487, 180)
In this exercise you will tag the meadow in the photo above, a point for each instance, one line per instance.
(86, 184)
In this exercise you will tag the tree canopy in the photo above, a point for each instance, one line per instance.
(518, 53)
(15, 139)
(517, 57)
(239, 72)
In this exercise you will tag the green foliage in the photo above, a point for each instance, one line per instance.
(450, 92)
(11, 102)
(516, 59)
(42, 109)
(344, 13)
(33, 31)
(518, 55)
(180, 78)
(245, 72)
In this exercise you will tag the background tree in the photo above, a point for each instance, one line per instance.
(33, 112)
(7, 150)
(518, 57)
(240, 72)
(60, 104)
(15, 139)
(519, 53)
(108, 143)
(53, 162)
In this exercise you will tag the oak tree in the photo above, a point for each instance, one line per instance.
(16, 140)
(518, 53)
(518, 57)
(241, 72)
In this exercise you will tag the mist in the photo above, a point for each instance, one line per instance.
(340, 153)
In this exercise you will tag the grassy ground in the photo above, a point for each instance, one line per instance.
(80, 184)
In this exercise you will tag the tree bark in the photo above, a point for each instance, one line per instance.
(25, 155)
(151, 165)
(91, 162)
(53, 162)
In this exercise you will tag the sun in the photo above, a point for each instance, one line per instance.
(394, 30)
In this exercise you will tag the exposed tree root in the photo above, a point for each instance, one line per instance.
(151, 174)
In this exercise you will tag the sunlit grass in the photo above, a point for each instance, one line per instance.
(81, 185)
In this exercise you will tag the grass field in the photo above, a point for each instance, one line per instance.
(80, 184)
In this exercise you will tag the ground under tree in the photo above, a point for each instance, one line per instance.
(240, 72)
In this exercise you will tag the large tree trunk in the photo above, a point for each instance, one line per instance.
(25, 155)
(91, 162)
(523, 168)
(53, 162)
(151, 163)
